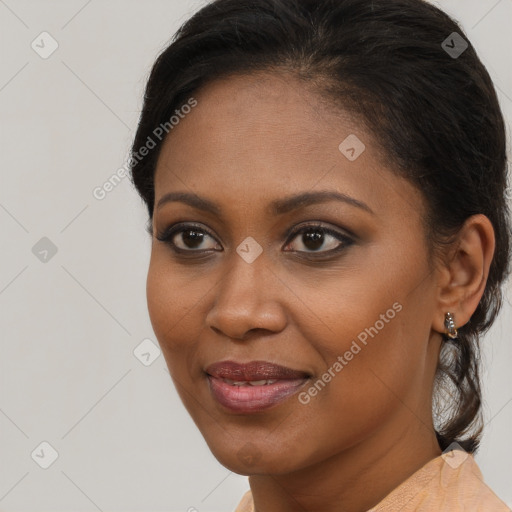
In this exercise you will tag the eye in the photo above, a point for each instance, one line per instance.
(189, 238)
(186, 238)
(315, 236)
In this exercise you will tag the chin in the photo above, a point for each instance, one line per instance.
(248, 459)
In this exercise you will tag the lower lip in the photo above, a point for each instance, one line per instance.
(249, 398)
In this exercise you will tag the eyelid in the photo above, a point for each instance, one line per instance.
(337, 232)
(179, 227)
(345, 240)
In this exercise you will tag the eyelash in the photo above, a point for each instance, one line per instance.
(169, 234)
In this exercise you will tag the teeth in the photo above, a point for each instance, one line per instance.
(236, 382)
(250, 382)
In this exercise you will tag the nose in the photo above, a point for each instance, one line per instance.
(248, 300)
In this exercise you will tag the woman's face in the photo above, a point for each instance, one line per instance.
(346, 306)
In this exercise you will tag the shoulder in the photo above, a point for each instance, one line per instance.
(451, 482)
(246, 503)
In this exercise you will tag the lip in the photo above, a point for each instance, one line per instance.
(249, 398)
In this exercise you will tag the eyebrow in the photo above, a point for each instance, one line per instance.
(277, 207)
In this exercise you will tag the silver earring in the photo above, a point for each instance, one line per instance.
(449, 323)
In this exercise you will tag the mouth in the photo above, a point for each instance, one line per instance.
(254, 386)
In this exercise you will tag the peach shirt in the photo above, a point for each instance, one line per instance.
(451, 482)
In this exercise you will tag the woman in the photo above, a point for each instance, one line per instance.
(325, 182)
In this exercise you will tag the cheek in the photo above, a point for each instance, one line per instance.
(170, 303)
(161, 301)
(374, 328)
(382, 369)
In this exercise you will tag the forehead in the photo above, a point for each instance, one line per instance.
(269, 135)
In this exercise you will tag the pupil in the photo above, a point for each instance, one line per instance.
(193, 238)
(314, 238)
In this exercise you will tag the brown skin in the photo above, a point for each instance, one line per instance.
(254, 139)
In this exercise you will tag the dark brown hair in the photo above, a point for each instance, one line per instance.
(436, 117)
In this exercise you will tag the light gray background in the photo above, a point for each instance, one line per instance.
(69, 326)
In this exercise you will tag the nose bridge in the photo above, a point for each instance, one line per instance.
(245, 298)
(241, 278)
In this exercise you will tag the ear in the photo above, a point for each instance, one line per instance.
(463, 276)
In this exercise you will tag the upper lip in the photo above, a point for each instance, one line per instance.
(254, 370)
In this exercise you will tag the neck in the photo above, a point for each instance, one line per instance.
(355, 479)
